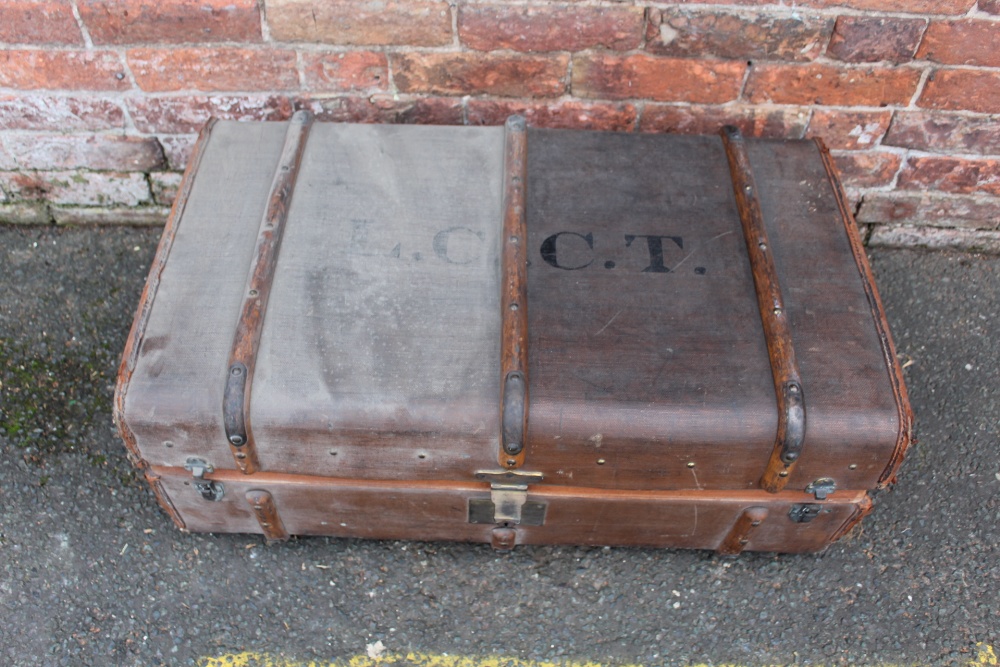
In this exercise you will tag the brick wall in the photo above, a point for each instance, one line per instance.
(100, 101)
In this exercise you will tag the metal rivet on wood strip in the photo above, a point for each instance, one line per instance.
(739, 535)
(266, 512)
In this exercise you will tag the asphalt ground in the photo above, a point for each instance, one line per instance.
(93, 573)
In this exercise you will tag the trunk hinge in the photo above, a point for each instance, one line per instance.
(508, 504)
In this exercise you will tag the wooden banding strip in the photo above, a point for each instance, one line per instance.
(243, 354)
(262, 504)
(774, 317)
(739, 535)
(514, 297)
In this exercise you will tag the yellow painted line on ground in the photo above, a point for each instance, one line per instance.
(986, 656)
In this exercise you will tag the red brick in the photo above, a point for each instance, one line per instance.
(149, 21)
(784, 123)
(61, 70)
(686, 32)
(385, 108)
(562, 115)
(164, 185)
(867, 39)
(830, 85)
(948, 174)
(43, 112)
(930, 209)
(84, 151)
(968, 42)
(944, 132)
(949, 7)
(867, 169)
(989, 6)
(480, 74)
(345, 71)
(849, 129)
(361, 22)
(39, 22)
(186, 115)
(208, 69)
(177, 148)
(962, 90)
(542, 28)
(656, 78)
(78, 188)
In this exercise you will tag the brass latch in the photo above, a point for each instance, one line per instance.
(508, 503)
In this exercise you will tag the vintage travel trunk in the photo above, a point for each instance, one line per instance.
(512, 336)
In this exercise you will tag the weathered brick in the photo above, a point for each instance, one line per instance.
(417, 110)
(346, 71)
(656, 78)
(907, 236)
(686, 32)
(6, 161)
(78, 188)
(949, 174)
(542, 28)
(783, 123)
(968, 90)
(949, 7)
(44, 112)
(913, 208)
(866, 39)
(944, 132)
(213, 69)
(361, 22)
(564, 115)
(989, 6)
(25, 213)
(868, 169)
(385, 108)
(187, 114)
(849, 129)
(177, 148)
(830, 85)
(164, 185)
(61, 70)
(84, 151)
(149, 21)
(480, 74)
(141, 216)
(39, 22)
(966, 42)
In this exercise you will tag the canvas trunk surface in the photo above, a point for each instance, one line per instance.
(513, 336)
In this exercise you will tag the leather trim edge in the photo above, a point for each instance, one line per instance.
(893, 367)
(136, 336)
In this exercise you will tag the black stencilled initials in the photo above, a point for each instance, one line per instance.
(655, 246)
(548, 250)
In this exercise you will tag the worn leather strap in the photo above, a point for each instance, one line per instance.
(774, 317)
(514, 297)
(246, 340)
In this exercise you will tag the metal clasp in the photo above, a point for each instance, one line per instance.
(822, 487)
(209, 489)
(508, 504)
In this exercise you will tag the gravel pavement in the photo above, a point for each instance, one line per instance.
(93, 573)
